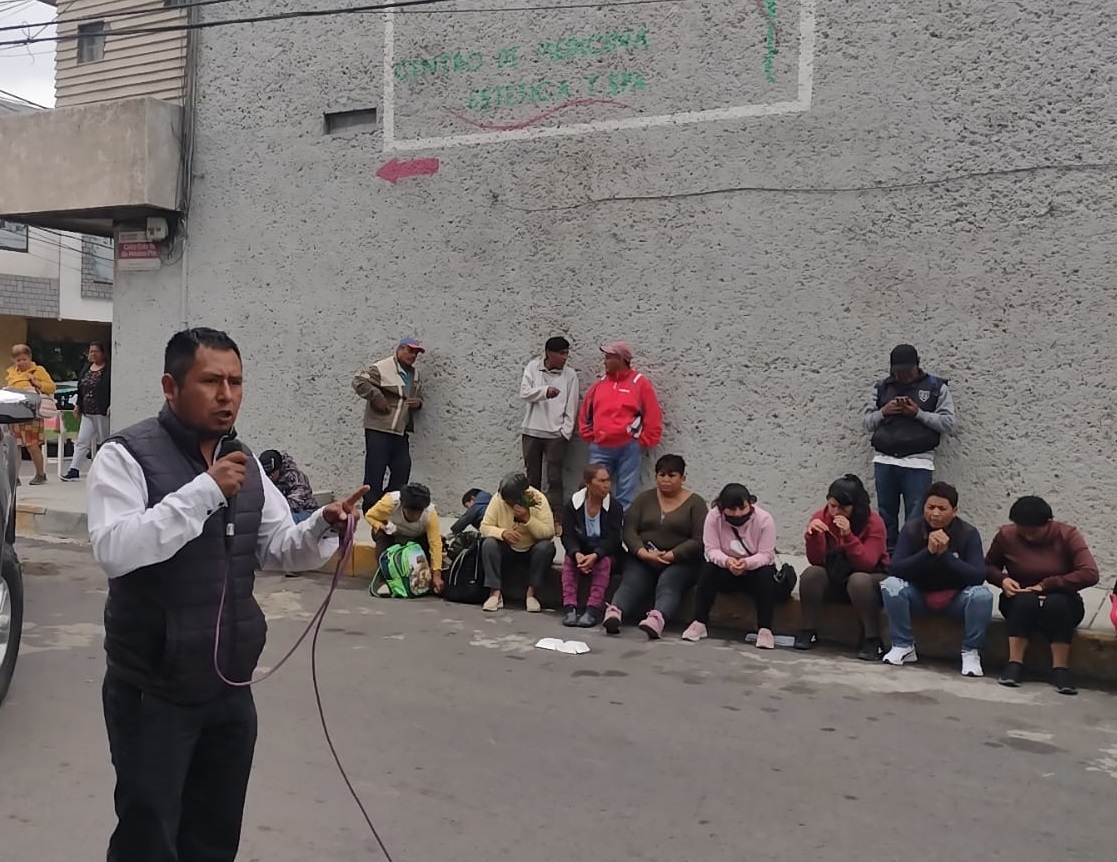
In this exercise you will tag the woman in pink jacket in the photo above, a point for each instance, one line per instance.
(846, 549)
(740, 541)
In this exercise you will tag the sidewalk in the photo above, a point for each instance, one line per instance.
(57, 510)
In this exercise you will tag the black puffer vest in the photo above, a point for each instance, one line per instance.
(901, 436)
(161, 620)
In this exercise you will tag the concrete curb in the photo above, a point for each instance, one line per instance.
(1093, 657)
(35, 520)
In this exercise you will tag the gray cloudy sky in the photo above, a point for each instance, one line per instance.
(27, 71)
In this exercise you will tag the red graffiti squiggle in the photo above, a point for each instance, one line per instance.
(531, 121)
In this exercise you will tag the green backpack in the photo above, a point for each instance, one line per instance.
(405, 570)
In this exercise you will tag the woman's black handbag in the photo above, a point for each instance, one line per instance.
(838, 567)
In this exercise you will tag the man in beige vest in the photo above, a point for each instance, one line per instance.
(393, 391)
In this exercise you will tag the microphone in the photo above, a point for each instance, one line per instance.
(227, 446)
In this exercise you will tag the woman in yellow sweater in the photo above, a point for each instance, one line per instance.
(25, 375)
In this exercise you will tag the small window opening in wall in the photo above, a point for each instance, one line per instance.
(177, 2)
(360, 120)
(91, 42)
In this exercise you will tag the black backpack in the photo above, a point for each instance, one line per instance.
(465, 582)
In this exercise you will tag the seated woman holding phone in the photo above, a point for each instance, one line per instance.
(663, 533)
(848, 559)
(1042, 566)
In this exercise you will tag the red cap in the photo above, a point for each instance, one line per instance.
(618, 348)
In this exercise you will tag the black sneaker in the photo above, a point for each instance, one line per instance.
(871, 650)
(1060, 678)
(591, 618)
(72, 475)
(570, 616)
(1010, 676)
(806, 639)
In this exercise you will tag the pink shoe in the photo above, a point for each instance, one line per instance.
(612, 621)
(652, 625)
(765, 639)
(695, 632)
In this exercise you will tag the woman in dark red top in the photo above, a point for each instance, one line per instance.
(846, 547)
(1041, 565)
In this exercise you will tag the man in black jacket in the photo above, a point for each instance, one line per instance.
(179, 530)
(907, 414)
(938, 567)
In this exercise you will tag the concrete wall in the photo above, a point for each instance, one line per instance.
(952, 184)
(98, 157)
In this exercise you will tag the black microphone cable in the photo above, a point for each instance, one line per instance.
(227, 446)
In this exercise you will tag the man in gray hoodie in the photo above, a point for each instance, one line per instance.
(550, 390)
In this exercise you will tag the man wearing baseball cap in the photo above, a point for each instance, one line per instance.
(393, 391)
(906, 413)
(621, 419)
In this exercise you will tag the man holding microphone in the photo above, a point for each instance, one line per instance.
(161, 498)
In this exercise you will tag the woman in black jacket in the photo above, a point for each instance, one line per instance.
(591, 535)
(91, 406)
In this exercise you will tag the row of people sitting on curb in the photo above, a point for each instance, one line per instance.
(670, 539)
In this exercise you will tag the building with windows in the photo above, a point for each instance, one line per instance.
(55, 286)
(762, 198)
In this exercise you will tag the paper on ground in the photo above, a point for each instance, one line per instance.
(559, 645)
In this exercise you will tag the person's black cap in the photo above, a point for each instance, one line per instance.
(271, 461)
(903, 356)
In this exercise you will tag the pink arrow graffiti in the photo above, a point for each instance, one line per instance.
(395, 170)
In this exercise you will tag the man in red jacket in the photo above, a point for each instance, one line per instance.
(621, 419)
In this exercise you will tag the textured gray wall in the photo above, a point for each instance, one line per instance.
(951, 185)
(27, 296)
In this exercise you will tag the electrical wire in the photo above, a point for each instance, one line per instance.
(130, 12)
(321, 13)
(23, 100)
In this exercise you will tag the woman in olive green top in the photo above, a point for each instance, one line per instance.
(663, 534)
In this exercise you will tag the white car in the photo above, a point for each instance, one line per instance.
(15, 406)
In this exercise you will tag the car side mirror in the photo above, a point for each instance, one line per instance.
(18, 406)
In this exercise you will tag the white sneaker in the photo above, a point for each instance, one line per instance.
(971, 663)
(533, 606)
(901, 655)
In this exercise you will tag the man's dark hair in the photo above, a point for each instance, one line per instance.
(469, 496)
(1031, 511)
(557, 344)
(178, 358)
(671, 464)
(415, 496)
(945, 490)
(513, 487)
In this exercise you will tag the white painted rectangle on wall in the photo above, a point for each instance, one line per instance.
(470, 77)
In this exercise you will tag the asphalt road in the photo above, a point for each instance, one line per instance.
(467, 743)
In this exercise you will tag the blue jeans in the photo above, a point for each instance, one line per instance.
(302, 515)
(623, 464)
(893, 482)
(974, 605)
